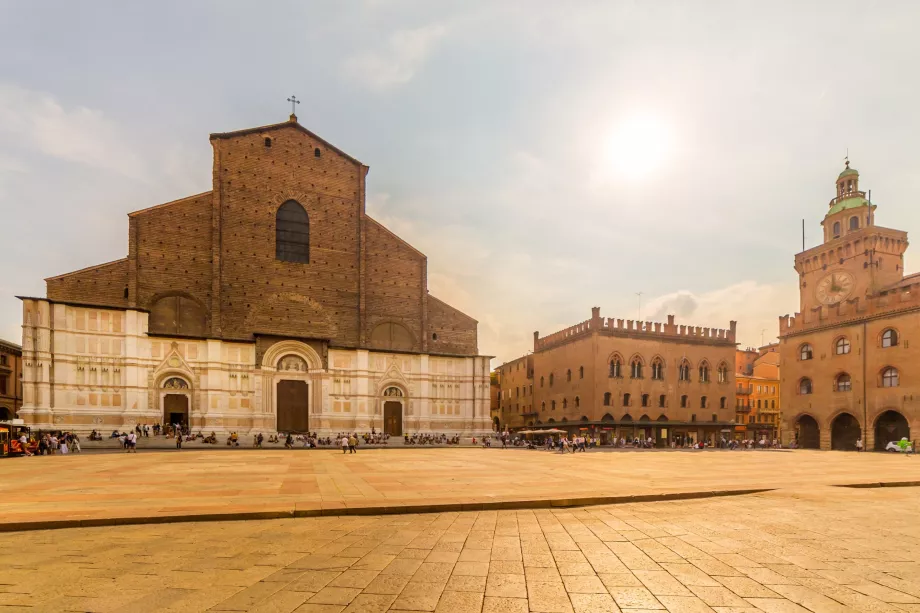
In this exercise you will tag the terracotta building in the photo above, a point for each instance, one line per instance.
(851, 356)
(271, 302)
(10, 383)
(758, 403)
(610, 377)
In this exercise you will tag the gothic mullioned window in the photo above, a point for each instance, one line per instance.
(657, 369)
(636, 368)
(723, 373)
(292, 233)
(704, 372)
(684, 371)
(615, 367)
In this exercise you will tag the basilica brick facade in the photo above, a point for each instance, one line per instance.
(272, 301)
(849, 370)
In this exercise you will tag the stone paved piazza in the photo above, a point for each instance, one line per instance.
(157, 484)
(823, 549)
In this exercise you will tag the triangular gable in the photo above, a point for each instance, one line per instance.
(291, 123)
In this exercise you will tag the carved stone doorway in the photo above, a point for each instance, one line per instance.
(293, 406)
(392, 418)
(175, 409)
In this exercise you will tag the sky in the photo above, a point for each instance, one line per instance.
(644, 157)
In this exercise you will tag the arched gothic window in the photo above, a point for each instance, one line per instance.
(568, 375)
(843, 382)
(577, 402)
(805, 386)
(543, 406)
(565, 403)
(704, 373)
(684, 371)
(636, 368)
(541, 381)
(842, 346)
(554, 405)
(723, 373)
(657, 369)
(805, 352)
(615, 367)
(292, 233)
(889, 338)
(854, 223)
(551, 379)
(890, 377)
(581, 372)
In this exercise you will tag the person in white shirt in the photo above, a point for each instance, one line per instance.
(132, 443)
(345, 443)
(24, 443)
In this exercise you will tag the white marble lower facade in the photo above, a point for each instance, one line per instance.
(90, 368)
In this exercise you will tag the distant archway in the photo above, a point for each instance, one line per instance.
(496, 425)
(807, 433)
(845, 431)
(890, 426)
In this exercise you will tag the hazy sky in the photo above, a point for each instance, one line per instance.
(547, 156)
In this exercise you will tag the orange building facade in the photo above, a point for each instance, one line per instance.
(612, 377)
(850, 357)
(758, 401)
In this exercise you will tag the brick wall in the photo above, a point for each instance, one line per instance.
(170, 246)
(256, 290)
(104, 285)
(395, 283)
(456, 331)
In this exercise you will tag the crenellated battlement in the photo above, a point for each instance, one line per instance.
(888, 302)
(634, 328)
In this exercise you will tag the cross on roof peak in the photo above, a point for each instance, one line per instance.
(293, 100)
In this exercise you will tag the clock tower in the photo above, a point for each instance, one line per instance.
(857, 258)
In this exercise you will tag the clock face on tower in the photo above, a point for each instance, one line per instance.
(834, 287)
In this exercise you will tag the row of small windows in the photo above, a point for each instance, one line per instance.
(636, 368)
(767, 404)
(662, 400)
(889, 338)
(888, 377)
(316, 151)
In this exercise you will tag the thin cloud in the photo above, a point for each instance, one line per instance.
(37, 121)
(404, 53)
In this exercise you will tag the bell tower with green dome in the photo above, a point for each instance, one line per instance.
(857, 259)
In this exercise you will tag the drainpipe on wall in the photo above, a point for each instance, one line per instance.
(865, 408)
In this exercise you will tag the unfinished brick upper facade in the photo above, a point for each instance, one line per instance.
(217, 249)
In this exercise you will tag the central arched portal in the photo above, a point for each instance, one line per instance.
(293, 406)
(890, 427)
(845, 431)
(175, 409)
(807, 433)
(393, 411)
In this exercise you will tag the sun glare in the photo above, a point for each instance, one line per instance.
(637, 146)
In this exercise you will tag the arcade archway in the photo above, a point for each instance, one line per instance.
(890, 426)
(845, 431)
(807, 433)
